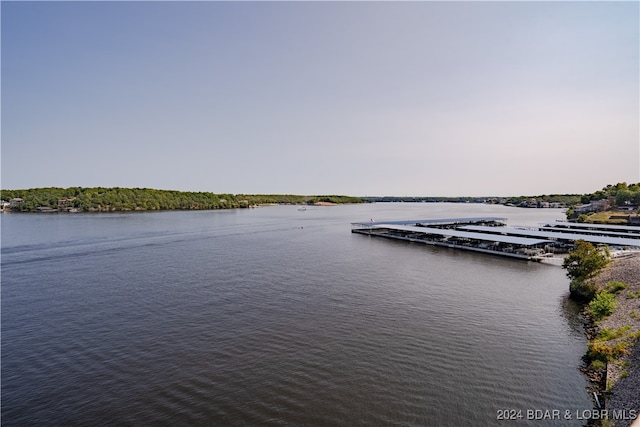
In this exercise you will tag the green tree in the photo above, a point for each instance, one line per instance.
(623, 196)
(585, 261)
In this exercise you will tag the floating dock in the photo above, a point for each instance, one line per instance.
(492, 235)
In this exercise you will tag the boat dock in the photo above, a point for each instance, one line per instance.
(492, 235)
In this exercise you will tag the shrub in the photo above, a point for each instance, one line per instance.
(582, 290)
(602, 305)
(597, 365)
(606, 353)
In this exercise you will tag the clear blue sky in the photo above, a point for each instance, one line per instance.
(358, 98)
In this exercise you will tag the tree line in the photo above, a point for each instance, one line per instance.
(101, 199)
(624, 194)
(123, 199)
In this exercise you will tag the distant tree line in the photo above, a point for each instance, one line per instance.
(291, 199)
(124, 199)
(562, 199)
(623, 193)
(425, 199)
(100, 199)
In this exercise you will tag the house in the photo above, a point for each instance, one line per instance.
(594, 206)
(600, 205)
(15, 202)
(582, 208)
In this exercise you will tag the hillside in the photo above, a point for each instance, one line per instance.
(99, 199)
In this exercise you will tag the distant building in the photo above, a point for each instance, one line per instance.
(15, 202)
(580, 209)
(600, 205)
(594, 206)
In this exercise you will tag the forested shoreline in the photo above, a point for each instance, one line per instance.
(100, 199)
(103, 199)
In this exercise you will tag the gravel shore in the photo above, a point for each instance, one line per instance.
(623, 377)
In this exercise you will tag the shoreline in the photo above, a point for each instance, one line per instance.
(108, 209)
(618, 385)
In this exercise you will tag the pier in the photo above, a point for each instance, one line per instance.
(492, 235)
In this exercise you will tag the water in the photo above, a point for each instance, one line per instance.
(273, 316)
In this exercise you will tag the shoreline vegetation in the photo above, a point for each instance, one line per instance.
(116, 199)
(617, 335)
(613, 204)
(610, 291)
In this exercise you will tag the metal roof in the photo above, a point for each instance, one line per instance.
(555, 235)
(524, 241)
(589, 231)
(434, 221)
(629, 228)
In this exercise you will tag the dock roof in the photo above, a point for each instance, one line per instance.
(627, 228)
(514, 240)
(608, 240)
(592, 231)
(434, 221)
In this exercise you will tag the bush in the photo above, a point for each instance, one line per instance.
(582, 290)
(602, 305)
(606, 353)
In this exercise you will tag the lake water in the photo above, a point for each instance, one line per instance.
(274, 316)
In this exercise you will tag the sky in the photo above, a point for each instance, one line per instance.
(357, 98)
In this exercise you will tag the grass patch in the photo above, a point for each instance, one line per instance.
(632, 295)
(616, 287)
(611, 334)
(597, 365)
(604, 217)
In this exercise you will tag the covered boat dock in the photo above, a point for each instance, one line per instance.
(492, 235)
(448, 233)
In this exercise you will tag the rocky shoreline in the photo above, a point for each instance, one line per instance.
(619, 383)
